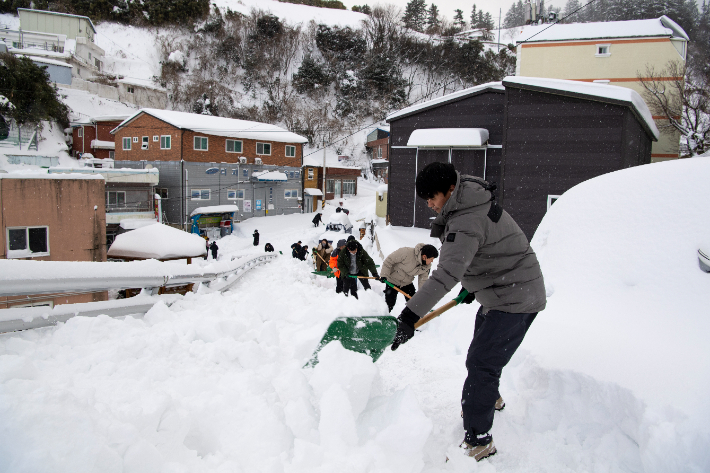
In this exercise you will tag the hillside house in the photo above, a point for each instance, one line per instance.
(534, 137)
(341, 181)
(93, 135)
(377, 145)
(206, 160)
(609, 53)
(49, 217)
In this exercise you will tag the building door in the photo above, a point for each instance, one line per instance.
(308, 206)
(336, 187)
(423, 215)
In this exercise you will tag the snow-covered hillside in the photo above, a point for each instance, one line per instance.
(611, 377)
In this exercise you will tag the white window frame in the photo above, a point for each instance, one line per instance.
(163, 141)
(194, 143)
(348, 182)
(144, 142)
(26, 253)
(310, 174)
(135, 139)
(262, 149)
(128, 141)
(551, 200)
(597, 52)
(291, 191)
(111, 154)
(156, 137)
(241, 146)
(80, 132)
(379, 152)
(237, 192)
(288, 147)
(209, 194)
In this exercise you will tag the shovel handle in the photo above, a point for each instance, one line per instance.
(398, 290)
(362, 277)
(435, 313)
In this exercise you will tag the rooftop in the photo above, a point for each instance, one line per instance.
(219, 126)
(59, 14)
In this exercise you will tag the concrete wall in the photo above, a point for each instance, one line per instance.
(143, 97)
(577, 60)
(105, 91)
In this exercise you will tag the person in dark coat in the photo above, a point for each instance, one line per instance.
(485, 250)
(333, 263)
(365, 283)
(317, 219)
(207, 248)
(303, 253)
(256, 237)
(213, 249)
(296, 249)
(268, 248)
(353, 260)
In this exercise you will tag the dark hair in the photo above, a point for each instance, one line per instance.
(434, 178)
(430, 251)
(352, 245)
(351, 238)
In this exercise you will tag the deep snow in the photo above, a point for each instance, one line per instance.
(215, 381)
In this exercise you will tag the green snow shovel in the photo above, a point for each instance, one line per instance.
(327, 274)
(371, 335)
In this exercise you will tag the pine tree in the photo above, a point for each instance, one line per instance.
(474, 17)
(415, 15)
(433, 20)
(458, 20)
(515, 16)
(488, 22)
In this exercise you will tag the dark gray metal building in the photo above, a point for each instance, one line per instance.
(535, 138)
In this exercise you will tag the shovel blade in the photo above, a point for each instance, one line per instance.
(327, 274)
(368, 335)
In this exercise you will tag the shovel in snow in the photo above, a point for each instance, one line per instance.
(371, 335)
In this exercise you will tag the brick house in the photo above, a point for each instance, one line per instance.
(341, 181)
(377, 145)
(49, 217)
(93, 135)
(206, 160)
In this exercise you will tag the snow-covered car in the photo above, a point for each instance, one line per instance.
(338, 227)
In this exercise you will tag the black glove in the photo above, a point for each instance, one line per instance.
(377, 276)
(383, 279)
(469, 298)
(405, 327)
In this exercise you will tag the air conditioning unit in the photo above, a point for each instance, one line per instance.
(242, 160)
(258, 161)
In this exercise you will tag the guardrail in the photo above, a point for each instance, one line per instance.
(14, 319)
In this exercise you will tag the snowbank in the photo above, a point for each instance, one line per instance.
(157, 241)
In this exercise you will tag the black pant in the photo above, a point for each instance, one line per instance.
(338, 285)
(496, 337)
(365, 282)
(350, 286)
(391, 294)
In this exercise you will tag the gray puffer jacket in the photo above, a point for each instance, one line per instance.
(493, 260)
(401, 266)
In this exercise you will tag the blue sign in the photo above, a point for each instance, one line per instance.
(212, 171)
(258, 204)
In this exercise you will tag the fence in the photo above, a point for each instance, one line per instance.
(17, 137)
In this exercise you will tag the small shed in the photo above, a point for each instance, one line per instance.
(159, 242)
(214, 221)
(535, 138)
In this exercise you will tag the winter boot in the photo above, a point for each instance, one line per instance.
(481, 447)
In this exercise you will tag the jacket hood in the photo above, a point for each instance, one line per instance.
(467, 193)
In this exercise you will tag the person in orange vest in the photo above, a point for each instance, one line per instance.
(333, 263)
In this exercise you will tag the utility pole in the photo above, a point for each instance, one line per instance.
(324, 195)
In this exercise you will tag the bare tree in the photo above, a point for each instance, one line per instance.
(683, 99)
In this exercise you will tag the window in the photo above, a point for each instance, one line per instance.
(234, 146)
(235, 194)
(330, 185)
(130, 89)
(163, 192)
(201, 143)
(80, 132)
(291, 174)
(145, 143)
(349, 187)
(135, 139)
(126, 143)
(603, 50)
(290, 151)
(25, 242)
(310, 174)
(200, 194)
(298, 174)
(115, 199)
(245, 172)
(551, 200)
(379, 152)
(291, 193)
(263, 148)
(165, 142)
(156, 138)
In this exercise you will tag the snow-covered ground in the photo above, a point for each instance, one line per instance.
(610, 378)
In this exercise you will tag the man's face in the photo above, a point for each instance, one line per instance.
(437, 202)
(426, 260)
(352, 252)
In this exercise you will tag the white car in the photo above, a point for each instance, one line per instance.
(337, 228)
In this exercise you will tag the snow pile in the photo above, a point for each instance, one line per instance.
(133, 223)
(628, 303)
(177, 56)
(157, 241)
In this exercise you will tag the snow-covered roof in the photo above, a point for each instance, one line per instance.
(600, 92)
(219, 126)
(43, 60)
(123, 175)
(215, 209)
(312, 191)
(379, 161)
(59, 14)
(99, 144)
(147, 83)
(317, 162)
(98, 119)
(270, 176)
(74, 174)
(339, 217)
(157, 242)
(655, 27)
(445, 99)
(428, 137)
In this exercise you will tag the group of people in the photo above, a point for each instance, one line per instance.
(211, 247)
(299, 251)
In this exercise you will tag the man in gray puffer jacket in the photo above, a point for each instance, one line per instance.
(484, 249)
